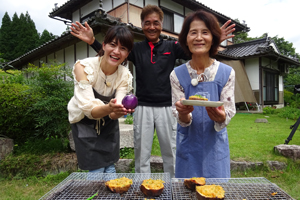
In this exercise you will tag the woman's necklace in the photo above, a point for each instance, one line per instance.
(107, 83)
(201, 77)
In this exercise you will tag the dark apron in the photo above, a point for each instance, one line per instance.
(95, 150)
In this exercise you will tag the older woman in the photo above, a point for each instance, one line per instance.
(100, 83)
(202, 141)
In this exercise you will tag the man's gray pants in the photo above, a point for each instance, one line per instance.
(147, 119)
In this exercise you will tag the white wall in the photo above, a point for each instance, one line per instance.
(69, 51)
(252, 70)
(139, 3)
(280, 81)
(81, 50)
(187, 11)
(107, 5)
(152, 2)
(60, 56)
(50, 58)
(75, 16)
(90, 7)
(118, 2)
(172, 6)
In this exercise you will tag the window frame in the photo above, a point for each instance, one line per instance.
(270, 87)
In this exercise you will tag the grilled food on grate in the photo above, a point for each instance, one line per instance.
(210, 192)
(193, 182)
(119, 185)
(197, 97)
(152, 188)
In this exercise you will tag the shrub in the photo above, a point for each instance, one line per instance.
(269, 110)
(129, 119)
(288, 97)
(15, 122)
(36, 106)
(289, 112)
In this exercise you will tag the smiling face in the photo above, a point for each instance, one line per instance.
(114, 53)
(199, 38)
(152, 27)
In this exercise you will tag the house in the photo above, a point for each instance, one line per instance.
(264, 66)
(100, 14)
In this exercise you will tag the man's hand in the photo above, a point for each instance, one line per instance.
(84, 33)
(225, 31)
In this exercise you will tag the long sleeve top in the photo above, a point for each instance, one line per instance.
(83, 101)
(227, 94)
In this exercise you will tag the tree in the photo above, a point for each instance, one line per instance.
(286, 48)
(19, 35)
(5, 37)
(45, 37)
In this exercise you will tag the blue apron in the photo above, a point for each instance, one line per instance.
(201, 151)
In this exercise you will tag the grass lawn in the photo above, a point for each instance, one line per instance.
(248, 141)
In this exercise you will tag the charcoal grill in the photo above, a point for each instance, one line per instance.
(80, 185)
(257, 188)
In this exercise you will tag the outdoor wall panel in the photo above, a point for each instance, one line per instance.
(75, 16)
(172, 6)
(89, 8)
(69, 51)
(107, 5)
(60, 56)
(81, 50)
(152, 2)
(252, 69)
(139, 3)
(134, 15)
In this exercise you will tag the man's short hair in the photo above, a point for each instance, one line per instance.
(149, 9)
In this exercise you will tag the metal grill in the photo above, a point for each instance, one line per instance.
(235, 188)
(81, 185)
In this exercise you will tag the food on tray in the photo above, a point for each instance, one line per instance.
(274, 193)
(193, 182)
(197, 97)
(210, 192)
(119, 185)
(152, 188)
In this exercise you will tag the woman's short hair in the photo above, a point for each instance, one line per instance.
(121, 34)
(211, 23)
(149, 9)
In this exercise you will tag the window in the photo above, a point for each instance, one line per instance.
(172, 22)
(168, 23)
(270, 88)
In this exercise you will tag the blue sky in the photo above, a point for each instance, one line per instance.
(275, 17)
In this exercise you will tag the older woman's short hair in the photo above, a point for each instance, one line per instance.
(211, 23)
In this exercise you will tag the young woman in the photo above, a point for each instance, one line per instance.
(100, 85)
(202, 141)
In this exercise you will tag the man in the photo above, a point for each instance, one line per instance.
(154, 59)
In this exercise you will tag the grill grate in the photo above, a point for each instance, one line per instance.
(235, 188)
(80, 185)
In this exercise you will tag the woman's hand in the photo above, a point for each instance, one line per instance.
(84, 33)
(216, 114)
(117, 110)
(183, 111)
(227, 30)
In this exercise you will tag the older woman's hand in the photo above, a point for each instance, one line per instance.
(216, 114)
(183, 111)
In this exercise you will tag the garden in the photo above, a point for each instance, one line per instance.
(33, 113)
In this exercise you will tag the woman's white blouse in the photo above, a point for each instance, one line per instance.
(227, 94)
(83, 101)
